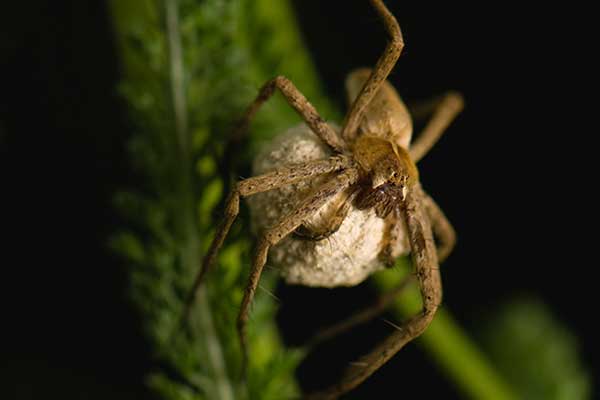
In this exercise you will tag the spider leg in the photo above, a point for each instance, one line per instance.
(361, 316)
(424, 259)
(393, 234)
(394, 227)
(444, 112)
(272, 236)
(299, 103)
(331, 223)
(382, 69)
(386, 115)
(269, 181)
(446, 236)
(442, 228)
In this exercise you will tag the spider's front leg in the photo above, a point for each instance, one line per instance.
(308, 207)
(425, 261)
(272, 180)
(378, 75)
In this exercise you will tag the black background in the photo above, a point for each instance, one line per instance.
(507, 175)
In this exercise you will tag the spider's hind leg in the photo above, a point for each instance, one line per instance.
(445, 241)
(425, 262)
(363, 316)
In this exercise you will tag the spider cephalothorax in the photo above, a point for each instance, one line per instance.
(358, 185)
(387, 171)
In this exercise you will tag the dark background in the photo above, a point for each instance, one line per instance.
(507, 175)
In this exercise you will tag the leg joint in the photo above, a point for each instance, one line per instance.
(281, 81)
(397, 42)
(455, 101)
(272, 237)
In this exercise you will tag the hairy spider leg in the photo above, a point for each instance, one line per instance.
(299, 103)
(444, 113)
(272, 180)
(306, 208)
(362, 316)
(425, 261)
(381, 71)
(445, 240)
(442, 228)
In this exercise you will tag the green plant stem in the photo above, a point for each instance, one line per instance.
(144, 13)
(448, 344)
(176, 70)
(214, 350)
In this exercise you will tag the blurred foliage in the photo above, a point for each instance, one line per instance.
(535, 352)
(189, 68)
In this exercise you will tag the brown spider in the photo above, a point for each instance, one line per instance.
(371, 166)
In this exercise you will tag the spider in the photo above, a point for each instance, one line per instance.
(370, 165)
